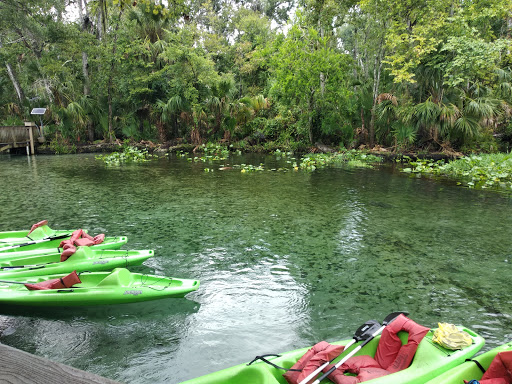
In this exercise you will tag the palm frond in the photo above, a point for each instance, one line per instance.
(427, 113)
(467, 125)
(387, 96)
(449, 113)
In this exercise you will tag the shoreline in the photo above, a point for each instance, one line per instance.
(158, 148)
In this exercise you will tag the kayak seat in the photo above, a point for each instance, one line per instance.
(119, 277)
(42, 223)
(500, 370)
(40, 232)
(81, 253)
(391, 356)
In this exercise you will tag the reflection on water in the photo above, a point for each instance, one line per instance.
(285, 259)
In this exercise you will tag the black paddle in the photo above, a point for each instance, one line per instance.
(389, 318)
(363, 332)
(36, 241)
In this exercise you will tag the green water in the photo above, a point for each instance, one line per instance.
(285, 259)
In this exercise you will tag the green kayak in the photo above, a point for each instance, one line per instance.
(84, 259)
(470, 369)
(52, 246)
(38, 232)
(94, 288)
(429, 361)
(41, 236)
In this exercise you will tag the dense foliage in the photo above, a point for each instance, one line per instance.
(475, 171)
(434, 75)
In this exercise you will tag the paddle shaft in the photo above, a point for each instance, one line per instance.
(35, 242)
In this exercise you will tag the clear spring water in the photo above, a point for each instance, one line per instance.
(285, 259)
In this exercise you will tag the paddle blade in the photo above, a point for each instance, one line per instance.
(392, 316)
(366, 330)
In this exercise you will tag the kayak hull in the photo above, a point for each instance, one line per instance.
(430, 360)
(84, 259)
(97, 288)
(469, 369)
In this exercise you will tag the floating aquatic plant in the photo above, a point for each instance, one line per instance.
(129, 154)
(352, 158)
(250, 168)
(475, 171)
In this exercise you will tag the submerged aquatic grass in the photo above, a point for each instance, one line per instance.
(475, 171)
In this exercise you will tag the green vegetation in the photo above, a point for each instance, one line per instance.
(309, 162)
(128, 154)
(482, 171)
(352, 158)
(429, 76)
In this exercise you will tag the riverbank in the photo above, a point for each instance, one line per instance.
(388, 154)
(486, 171)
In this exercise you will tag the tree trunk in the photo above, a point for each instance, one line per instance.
(322, 83)
(14, 80)
(110, 83)
(322, 75)
(85, 63)
(377, 69)
(85, 60)
(175, 126)
(15, 83)
(101, 19)
(310, 114)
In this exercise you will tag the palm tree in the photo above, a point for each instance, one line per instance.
(478, 113)
(200, 121)
(219, 101)
(169, 112)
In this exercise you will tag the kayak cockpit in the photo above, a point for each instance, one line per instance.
(120, 277)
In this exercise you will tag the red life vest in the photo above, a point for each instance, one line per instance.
(500, 370)
(64, 282)
(316, 356)
(79, 238)
(37, 225)
(391, 355)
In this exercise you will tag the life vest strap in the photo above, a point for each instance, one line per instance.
(478, 364)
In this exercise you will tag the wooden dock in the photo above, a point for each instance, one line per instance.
(18, 367)
(27, 136)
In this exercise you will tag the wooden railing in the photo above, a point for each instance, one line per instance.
(20, 136)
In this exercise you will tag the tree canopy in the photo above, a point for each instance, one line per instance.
(406, 74)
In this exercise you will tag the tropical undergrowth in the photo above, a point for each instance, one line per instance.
(475, 171)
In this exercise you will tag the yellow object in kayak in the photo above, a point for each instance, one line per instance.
(450, 337)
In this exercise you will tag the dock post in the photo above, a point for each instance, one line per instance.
(29, 126)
